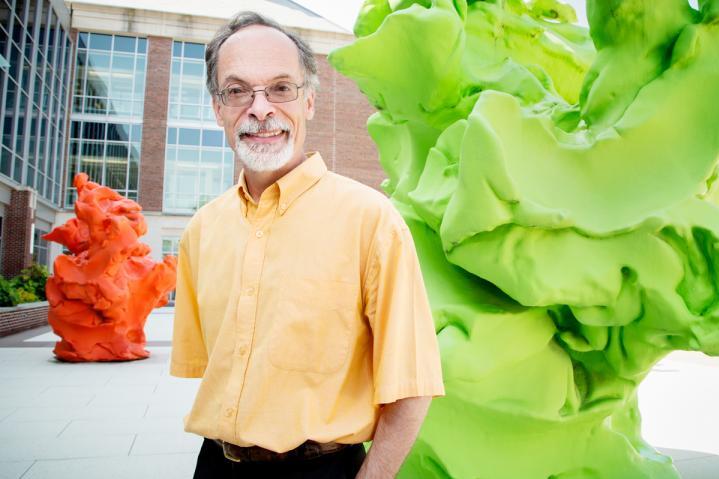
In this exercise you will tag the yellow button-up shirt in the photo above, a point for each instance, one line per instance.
(302, 313)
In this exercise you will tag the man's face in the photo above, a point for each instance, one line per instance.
(266, 136)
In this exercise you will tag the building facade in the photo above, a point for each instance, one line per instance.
(116, 90)
(36, 52)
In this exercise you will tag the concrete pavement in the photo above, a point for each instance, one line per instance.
(124, 420)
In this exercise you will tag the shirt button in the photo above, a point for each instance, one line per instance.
(242, 350)
(283, 206)
(229, 412)
(259, 233)
(250, 291)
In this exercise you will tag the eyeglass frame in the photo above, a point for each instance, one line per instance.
(221, 94)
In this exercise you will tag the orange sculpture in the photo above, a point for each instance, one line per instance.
(101, 294)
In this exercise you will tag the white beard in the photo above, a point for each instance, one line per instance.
(263, 157)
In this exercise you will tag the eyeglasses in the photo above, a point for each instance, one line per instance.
(280, 92)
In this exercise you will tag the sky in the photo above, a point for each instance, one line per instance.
(344, 12)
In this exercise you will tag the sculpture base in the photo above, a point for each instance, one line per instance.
(102, 352)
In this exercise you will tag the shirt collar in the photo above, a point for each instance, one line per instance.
(293, 184)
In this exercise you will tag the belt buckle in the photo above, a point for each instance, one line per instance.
(227, 450)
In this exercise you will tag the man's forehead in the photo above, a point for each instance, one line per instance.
(258, 52)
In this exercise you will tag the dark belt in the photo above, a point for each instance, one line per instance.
(306, 450)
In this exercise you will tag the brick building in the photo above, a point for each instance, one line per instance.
(137, 116)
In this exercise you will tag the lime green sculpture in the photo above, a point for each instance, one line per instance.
(560, 188)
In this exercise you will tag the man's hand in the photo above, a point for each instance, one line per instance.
(397, 429)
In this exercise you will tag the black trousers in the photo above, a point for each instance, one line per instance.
(343, 464)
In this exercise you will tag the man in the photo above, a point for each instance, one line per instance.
(299, 297)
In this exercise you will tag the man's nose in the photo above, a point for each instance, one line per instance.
(260, 108)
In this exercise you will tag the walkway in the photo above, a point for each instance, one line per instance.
(124, 420)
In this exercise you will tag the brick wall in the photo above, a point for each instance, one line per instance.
(23, 317)
(154, 122)
(339, 128)
(17, 223)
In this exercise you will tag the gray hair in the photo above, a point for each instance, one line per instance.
(246, 19)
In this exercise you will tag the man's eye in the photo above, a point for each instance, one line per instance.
(236, 91)
(281, 87)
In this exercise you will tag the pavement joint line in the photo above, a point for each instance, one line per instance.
(64, 428)
(129, 452)
(4, 418)
(689, 459)
(28, 468)
(144, 454)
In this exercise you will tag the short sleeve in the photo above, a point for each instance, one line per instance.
(189, 353)
(406, 360)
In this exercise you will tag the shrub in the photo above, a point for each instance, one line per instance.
(8, 294)
(26, 287)
(32, 280)
(26, 296)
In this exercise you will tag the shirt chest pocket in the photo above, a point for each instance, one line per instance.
(314, 326)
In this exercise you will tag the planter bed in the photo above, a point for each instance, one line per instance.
(22, 317)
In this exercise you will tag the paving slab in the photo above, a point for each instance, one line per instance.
(129, 411)
(13, 430)
(699, 468)
(174, 466)
(166, 443)
(66, 448)
(125, 419)
(114, 426)
(14, 469)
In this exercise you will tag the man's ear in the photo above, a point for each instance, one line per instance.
(310, 105)
(216, 108)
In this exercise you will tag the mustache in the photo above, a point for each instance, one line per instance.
(252, 126)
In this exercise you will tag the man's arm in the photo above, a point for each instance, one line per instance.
(397, 429)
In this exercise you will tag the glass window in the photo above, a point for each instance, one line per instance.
(123, 64)
(189, 136)
(125, 44)
(109, 91)
(194, 50)
(213, 138)
(99, 60)
(177, 49)
(91, 160)
(188, 156)
(116, 166)
(17, 169)
(15, 65)
(100, 41)
(133, 175)
(5, 14)
(40, 248)
(188, 93)
(189, 111)
(171, 247)
(196, 174)
(93, 131)
(118, 132)
(5, 161)
(198, 164)
(136, 133)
